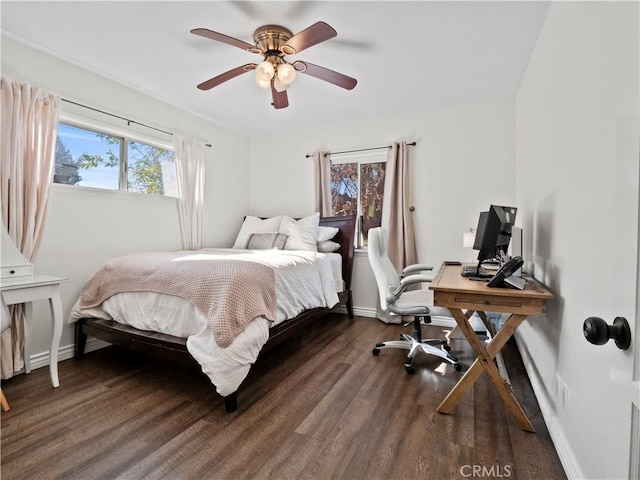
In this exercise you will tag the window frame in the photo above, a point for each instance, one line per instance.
(125, 134)
(364, 157)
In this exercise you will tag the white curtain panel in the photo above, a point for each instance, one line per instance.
(189, 155)
(29, 131)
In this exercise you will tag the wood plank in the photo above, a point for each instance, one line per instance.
(321, 406)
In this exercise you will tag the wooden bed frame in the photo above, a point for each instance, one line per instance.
(175, 348)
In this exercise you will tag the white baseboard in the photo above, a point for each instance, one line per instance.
(357, 311)
(41, 359)
(443, 322)
(563, 448)
(371, 313)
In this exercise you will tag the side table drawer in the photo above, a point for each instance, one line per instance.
(18, 271)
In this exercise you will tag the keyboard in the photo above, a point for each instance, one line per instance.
(472, 271)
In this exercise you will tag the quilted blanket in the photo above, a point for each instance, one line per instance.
(229, 292)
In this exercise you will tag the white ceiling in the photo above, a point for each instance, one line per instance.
(407, 56)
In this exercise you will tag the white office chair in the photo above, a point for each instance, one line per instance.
(6, 323)
(396, 300)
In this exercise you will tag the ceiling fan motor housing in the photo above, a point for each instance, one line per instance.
(269, 38)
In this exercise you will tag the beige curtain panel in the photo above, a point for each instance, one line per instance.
(397, 218)
(322, 182)
(27, 160)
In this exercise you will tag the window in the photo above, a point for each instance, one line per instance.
(91, 158)
(357, 188)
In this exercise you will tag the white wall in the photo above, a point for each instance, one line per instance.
(464, 161)
(576, 114)
(86, 227)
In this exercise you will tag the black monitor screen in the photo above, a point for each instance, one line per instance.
(494, 232)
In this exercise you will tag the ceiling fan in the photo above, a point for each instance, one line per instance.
(273, 42)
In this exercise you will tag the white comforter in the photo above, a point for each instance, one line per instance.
(304, 280)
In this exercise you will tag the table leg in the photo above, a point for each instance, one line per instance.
(485, 362)
(455, 332)
(56, 332)
(28, 322)
(498, 357)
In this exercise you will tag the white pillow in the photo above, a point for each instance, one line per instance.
(326, 233)
(328, 246)
(256, 225)
(303, 233)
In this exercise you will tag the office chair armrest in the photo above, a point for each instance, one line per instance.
(417, 267)
(415, 278)
(393, 295)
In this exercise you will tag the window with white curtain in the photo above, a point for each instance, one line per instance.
(357, 188)
(97, 157)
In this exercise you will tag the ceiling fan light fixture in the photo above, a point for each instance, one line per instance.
(279, 85)
(264, 84)
(265, 71)
(286, 73)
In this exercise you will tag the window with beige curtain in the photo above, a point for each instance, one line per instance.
(377, 188)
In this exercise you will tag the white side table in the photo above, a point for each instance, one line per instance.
(40, 287)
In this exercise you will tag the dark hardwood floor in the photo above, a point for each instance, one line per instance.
(320, 407)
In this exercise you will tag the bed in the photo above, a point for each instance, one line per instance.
(142, 317)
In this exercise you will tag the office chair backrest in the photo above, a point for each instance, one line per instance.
(385, 273)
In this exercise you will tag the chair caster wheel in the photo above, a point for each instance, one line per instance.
(457, 367)
(408, 365)
(376, 351)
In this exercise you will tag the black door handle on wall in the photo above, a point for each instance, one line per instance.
(597, 331)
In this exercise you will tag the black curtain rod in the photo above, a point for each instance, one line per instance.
(413, 144)
(129, 122)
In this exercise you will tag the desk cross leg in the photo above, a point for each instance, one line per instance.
(484, 362)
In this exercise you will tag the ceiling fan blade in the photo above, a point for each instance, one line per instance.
(325, 74)
(280, 99)
(205, 32)
(310, 36)
(223, 77)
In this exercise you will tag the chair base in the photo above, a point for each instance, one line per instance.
(429, 346)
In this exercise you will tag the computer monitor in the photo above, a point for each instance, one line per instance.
(494, 232)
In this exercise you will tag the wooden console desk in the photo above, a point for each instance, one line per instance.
(458, 293)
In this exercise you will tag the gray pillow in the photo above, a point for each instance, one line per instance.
(267, 241)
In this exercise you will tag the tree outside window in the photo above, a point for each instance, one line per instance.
(357, 188)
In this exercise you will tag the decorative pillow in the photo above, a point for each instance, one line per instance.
(326, 233)
(328, 246)
(303, 233)
(256, 225)
(267, 241)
